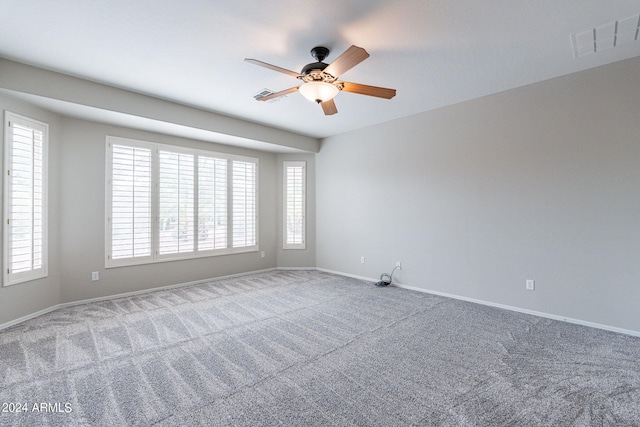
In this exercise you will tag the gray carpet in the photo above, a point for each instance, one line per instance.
(307, 348)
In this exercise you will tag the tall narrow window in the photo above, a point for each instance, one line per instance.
(294, 205)
(25, 199)
(129, 195)
(244, 206)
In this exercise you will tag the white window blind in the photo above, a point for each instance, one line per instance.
(130, 197)
(177, 202)
(244, 204)
(294, 204)
(166, 203)
(25, 199)
(212, 203)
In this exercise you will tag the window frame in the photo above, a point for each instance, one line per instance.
(286, 165)
(109, 262)
(232, 194)
(155, 210)
(155, 256)
(9, 278)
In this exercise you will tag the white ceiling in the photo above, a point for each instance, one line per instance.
(434, 52)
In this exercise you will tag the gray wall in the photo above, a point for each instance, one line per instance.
(76, 221)
(539, 182)
(30, 297)
(82, 225)
(535, 183)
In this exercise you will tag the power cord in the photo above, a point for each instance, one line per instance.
(386, 279)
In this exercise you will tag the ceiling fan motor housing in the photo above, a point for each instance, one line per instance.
(314, 69)
(317, 66)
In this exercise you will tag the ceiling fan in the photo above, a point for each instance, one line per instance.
(320, 80)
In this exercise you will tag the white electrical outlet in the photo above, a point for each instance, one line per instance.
(262, 254)
(361, 260)
(530, 285)
(95, 276)
(399, 265)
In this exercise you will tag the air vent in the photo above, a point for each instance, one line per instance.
(606, 36)
(267, 92)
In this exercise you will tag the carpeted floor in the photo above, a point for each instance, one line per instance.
(304, 348)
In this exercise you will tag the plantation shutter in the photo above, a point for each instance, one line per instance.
(244, 199)
(176, 194)
(212, 203)
(130, 202)
(25, 199)
(294, 200)
(167, 203)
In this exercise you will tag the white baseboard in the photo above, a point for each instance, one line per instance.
(161, 288)
(123, 295)
(353, 276)
(29, 317)
(497, 305)
(527, 311)
(339, 273)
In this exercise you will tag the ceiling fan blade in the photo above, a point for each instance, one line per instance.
(380, 92)
(349, 59)
(272, 67)
(329, 107)
(277, 94)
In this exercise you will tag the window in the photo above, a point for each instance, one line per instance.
(166, 203)
(177, 202)
(25, 199)
(294, 205)
(244, 204)
(130, 220)
(212, 203)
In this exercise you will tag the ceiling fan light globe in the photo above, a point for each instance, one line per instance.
(318, 91)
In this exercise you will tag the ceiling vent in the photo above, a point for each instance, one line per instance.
(606, 36)
(267, 92)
